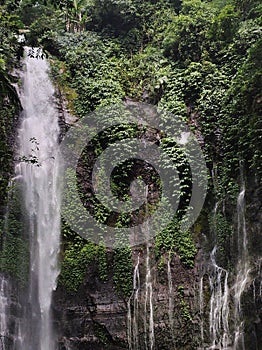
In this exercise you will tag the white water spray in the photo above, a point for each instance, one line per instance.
(4, 306)
(219, 306)
(170, 299)
(201, 308)
(148, 305)
(219, 300)
(243, 267)
(40, 171)
(133, 320)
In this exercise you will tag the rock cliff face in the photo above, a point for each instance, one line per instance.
(252, 297)
(10, 313)
(93, 318)
(96, 317)
(167, 309)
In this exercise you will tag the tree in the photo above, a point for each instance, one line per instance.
(75, 13)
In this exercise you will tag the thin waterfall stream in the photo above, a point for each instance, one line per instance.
(148, 305)
(140, 306)
(243, 266)
(171, 305)
(4, 306)
(219, 298)
(219, 305)
(133, 320)
(40, 171)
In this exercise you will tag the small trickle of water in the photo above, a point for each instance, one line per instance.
(201, 309)
(149, 332)
(170, 300)
(148, 305)
(4, 306)
(243, 268)
(133, 320)
(219, 305)
(219, 300)
(260, 276)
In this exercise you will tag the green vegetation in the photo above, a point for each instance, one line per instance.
(200, 60)
(174, 239)
(185, 310)
(223, 230)
(9, 102)
(78, 254)
(14, 252)
(75, 261)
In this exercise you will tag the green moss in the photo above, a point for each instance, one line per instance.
(102, 262)
(14, 253)
(184, 307)
(123, 271)
(76, 259)
(7, 125)
(172, 238)
(101, 333)
(223, 230)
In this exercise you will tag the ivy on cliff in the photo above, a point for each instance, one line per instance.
(201, 60)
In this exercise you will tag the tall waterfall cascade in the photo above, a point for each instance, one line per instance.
(39, 171)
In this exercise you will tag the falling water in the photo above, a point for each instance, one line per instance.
(142, 300)
(39, 168)
(260, 276)
(170, 299)
(219, 305)
(4, 306)
(148, 306)
(133, 321)
(243, 266)
(201, 309)
(4, 299)
(219, 300)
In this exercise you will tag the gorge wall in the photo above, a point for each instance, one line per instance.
(200, 61)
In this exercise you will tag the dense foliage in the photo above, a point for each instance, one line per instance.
(201, 60)
(9, 102)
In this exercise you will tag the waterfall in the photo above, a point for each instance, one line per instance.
(4, 295)
(148, 305)
(39, 168)
(201, 308)
(142, 300)
(170, 299)
(133, 321)
(219, 300)
(243, 266)
(260, 276)
(219, 305)
(4, 306)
